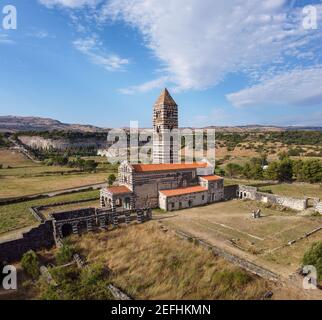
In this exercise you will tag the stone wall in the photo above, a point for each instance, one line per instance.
(35, 239)
(247, 192)
(230, 192)
(318, 207)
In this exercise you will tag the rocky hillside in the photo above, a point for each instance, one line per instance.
(14, 124)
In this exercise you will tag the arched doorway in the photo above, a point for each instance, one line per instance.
(66, 230)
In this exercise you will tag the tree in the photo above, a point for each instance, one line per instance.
(64, 254)
(314, 257)
(30, 264)
(285, 170)
(256, 172)
(246, 171)
(312, 171)
(298, 170)
(271, 173)
(111, 179)
(233, 169)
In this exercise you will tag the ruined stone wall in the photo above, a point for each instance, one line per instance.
(35, 239)
(230, 192)
(318, 207)
(247, 192)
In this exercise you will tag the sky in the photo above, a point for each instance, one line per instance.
(104, 62)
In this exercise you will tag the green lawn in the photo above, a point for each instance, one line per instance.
(26, 177)
(15, 216)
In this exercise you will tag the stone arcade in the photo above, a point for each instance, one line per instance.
(166, 183)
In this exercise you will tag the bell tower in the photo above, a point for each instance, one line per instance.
(165, 129)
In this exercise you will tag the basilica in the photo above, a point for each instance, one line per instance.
(167, 183)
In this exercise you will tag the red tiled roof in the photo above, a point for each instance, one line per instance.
(211, 178)
(168, 166)
(182, 191)
(118, 189)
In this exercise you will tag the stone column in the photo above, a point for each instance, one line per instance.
(139, 216)
(74, 227)
(102, 223)
(128, 217)
(89, 225)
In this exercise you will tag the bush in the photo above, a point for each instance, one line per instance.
(64, 254)
(233, 169)
(30, 264)
(74, 284)
(111, 179)
(314, 257)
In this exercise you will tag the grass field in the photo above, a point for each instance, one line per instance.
(15, 216)
(26, 178)
(258, 239)
(295, 190)
(150, 264)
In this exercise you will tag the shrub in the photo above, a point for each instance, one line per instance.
(313, 257)
(64, 254)
(111, 179)
(30, 264)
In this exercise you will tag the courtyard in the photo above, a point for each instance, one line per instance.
(264, 241)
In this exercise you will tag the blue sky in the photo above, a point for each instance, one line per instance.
(104, 62)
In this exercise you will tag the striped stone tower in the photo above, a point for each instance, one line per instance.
(165, 129)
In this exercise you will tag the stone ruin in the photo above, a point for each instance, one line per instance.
(88, 219)
(256, 214)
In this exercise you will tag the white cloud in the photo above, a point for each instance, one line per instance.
(296, 87)
(145, 87)
(69, 3)
(91, 47)
(200, 42)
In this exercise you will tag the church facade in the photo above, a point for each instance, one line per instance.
(166, 183)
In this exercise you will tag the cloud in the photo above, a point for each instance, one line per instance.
(200, 42)
(69, 3)
(91, 47)
(145, 87)
(296, 87)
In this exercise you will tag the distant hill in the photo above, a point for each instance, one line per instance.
(16, 123)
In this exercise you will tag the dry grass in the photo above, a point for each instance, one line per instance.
(14, 158)
(225, 221)
(150, 264)
(19, 186)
